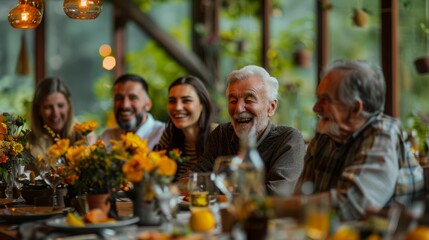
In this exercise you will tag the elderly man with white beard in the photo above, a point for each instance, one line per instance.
(358, 156)
(252, 101)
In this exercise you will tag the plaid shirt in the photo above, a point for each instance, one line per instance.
(371, 168)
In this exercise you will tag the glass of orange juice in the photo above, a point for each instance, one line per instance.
(202, 190)
(317, 217)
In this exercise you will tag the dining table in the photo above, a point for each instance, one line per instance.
(36, 225)
(281, 225)
(24, 227)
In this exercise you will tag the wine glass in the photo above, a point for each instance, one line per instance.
(51, 172)
(167, 195)
(19, 178)
(224, 170)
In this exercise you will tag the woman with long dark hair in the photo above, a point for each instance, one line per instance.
(189, 125)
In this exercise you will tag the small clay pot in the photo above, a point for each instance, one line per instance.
(422, 64)
(302, 58)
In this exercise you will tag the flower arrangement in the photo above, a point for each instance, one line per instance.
(89, 168)
(144, 164)
(143, 167)
(99, 169)
(92, 169)
(13, 137)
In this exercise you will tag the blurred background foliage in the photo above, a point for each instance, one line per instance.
(72, 53)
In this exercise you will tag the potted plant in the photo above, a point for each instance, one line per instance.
(89, 169)
(422, 63)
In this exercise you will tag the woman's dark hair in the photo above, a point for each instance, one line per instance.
(204, 122)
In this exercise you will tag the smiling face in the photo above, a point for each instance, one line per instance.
(130, 104)
(54, 111)
(335, 117)
(184, 106)
(249, 106)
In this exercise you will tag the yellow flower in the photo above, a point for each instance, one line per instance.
(3, 128)
(150, 161)
(133, 170)
(17, 147)
(132, 141)
(86, 127)
(167, 167)
(75, 154)
(59, 149)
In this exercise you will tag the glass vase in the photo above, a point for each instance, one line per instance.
(145, 206)
(10, 183)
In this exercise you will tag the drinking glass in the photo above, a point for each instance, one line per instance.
(167, 195)
(51, 172)
(202, 190)
(317, 217)
(224, 169)
(20, 177)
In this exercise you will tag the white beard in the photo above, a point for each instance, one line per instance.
(329, 128)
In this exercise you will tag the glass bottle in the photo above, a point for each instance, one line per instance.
(251, 171)
(249, 202)
(253, 211)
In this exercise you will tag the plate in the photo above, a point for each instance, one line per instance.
(61, 224)
(20, 214)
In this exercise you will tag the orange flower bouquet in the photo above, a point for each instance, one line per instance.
(88, 168)
(144, 169)
(13, 137)
(143, 165)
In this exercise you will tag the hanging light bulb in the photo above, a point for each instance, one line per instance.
(83, 9)
(24, 15)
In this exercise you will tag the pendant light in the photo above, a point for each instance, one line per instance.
(25, 15)
(83, 9)
(39, 4)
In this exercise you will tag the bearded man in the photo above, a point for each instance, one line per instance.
(131, 105)
(359, 155)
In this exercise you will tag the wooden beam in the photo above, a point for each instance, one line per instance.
(322, 36)
(206, 13)
(389, 54)
(215, 70)
(39, 46)
(265, 29)
(187, 59)
(119, 22)
(198, 17)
